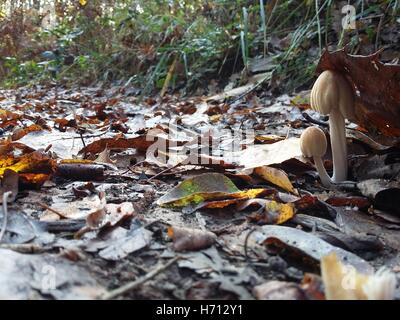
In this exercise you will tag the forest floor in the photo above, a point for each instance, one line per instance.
(82, 228)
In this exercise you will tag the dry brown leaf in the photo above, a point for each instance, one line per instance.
(377, 104)
(186, 239)
(279, 290)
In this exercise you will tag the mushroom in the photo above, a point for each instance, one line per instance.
(313, 144)
(332, 94)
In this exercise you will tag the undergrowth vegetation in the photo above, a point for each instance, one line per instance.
(160, 45)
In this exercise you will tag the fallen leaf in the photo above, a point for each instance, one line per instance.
(270, 212)
(378, 84)
(79, 209)
(198, 189)
(20, 132)
(384, 193)
(275, 153)
(276, 177)
(186, 239)
(120, 248)
(70, 281)
(279, 290)
(305, 245)
(194, 192)
(359, 202)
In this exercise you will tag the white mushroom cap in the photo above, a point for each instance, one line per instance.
(330, 91)
(313, 142)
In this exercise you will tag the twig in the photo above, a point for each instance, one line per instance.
(83, 140)
(164, 171)
(24, 247)
(5, 214)
(45, 206)
(245, 242)
(307, 117)
(134, 284)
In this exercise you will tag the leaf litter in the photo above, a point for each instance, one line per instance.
(93, 194)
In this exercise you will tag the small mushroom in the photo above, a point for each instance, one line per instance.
(332, 94)
(313, 144)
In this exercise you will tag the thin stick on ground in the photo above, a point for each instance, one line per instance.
(164, 171)
(45, 206)
(135, 284)
(5, 214)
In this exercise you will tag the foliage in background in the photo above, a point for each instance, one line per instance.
(182, 44)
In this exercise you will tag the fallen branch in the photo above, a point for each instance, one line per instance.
(24, 247)
(45, 206)
(137, 283)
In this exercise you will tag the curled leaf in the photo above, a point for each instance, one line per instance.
(186, 239)
(271, 212)
(276, 177)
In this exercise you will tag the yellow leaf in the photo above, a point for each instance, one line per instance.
(281, 212)
(82, 2)
(276, 177)
(271, 212)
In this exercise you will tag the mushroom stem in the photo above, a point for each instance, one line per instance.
(323, 175)
(338, 144)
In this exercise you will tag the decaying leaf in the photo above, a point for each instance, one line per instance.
(186, 239)
(208, 186)
(384, 193)
(270, 212)
(104, 157)
(275, 176)
(198, 189)
(275, 153)
(35, 162)
(134, 240)
(359, 202)
(305, 246)
(80, 209)
(343, 282)
(140, 142)
(21, 277)
(279, 290)
(20, 132)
